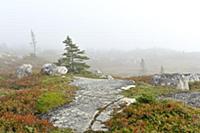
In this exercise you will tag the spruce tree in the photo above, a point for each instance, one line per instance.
(73, 58)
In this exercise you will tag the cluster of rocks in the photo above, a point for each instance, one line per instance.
(180, 81)
(52, 69)
(102, 75)
(48, 69)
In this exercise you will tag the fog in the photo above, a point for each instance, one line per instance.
(102, 24)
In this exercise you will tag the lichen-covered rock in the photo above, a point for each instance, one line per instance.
(24, 71)
(52, 69)
(190, 98)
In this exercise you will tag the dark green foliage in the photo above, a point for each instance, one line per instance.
(73, 58)
(146, 99)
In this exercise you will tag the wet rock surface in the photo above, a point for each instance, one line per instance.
(190, 98)
(94, 102)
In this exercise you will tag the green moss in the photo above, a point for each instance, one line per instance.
(148, 90)
(50, 100)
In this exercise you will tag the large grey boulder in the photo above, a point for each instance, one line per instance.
(52, 69)
(49, 69)
(24, 70)
(179, 81)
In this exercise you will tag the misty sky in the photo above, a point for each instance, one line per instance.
(100, 24)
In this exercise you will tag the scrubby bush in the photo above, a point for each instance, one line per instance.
(14, 123)
(168, 116)
(146, 99)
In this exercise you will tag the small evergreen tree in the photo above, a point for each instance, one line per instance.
(73, 58)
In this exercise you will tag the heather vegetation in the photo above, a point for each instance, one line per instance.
(158, 116)
(23, 100)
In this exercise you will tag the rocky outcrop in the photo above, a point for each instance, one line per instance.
(190, 98)
(93, 105)
(52, 69)
(180, 81)
(24, 71)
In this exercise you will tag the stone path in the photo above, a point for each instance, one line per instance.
(94, 103)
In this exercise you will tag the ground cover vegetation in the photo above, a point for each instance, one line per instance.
(23, 100)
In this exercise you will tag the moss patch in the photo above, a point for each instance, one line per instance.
(149, 90)
(50, 100)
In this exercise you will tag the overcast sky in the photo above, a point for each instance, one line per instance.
(100, 24)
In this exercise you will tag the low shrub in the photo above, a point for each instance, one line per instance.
(14, 123)
(146, 99)
(165, 117)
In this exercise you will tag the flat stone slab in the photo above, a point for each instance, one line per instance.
(85, 112)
